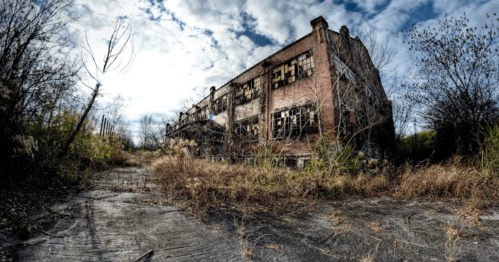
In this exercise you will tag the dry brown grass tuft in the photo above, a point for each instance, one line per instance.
(453, 235)
(203, 184)
(474, 187)
(338, 217)
(376, 227)
(147, 157)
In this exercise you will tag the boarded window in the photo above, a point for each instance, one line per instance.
(295, 122)
(292, 70)
(248, 91)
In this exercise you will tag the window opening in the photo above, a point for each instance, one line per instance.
(294, 122)
(247, 128)
(343, 70)
(248, 91)
(294, 69)
(221, 104)
(203, 113)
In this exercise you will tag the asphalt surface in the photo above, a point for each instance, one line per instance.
(125, 216)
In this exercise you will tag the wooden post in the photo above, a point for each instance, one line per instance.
(101, 126)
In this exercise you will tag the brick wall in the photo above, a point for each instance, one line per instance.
(318, 89)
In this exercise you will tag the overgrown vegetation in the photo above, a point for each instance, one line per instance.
(418, 147)
(455, 87)
(47, 132)
(202, 184)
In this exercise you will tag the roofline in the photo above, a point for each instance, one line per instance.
(284, 48)
(268, 57)
(257, 64)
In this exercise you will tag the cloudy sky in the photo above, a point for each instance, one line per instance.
(183, 46)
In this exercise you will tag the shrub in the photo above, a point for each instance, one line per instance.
(488, 157)
(34, 159)
(417, 147)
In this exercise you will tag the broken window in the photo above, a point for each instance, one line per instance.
(295, 121)
(248, 91)
(294, 69)
(247, 128)
(203, 113)
(342, 70)
(346, 126)
(221, 104)
(305, 65)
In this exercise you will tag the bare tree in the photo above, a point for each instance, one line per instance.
(37, 75)
(379, 48)
(455, 87)
(152, 133)
(120, 39)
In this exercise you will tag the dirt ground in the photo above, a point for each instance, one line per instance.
(124, 216)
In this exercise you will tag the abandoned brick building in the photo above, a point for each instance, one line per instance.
(322, 84)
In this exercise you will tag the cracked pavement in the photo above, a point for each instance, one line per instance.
(125, 215)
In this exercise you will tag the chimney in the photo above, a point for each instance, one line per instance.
(318, 23)
(320, 26)
(212, 92)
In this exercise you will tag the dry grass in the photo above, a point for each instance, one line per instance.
(202, 184)
(453, 235)
(337, 217)
(472, 186)
(376, 227)
(146, 157)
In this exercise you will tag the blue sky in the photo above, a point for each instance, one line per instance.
(185, 46)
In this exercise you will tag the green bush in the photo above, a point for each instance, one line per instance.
(488, 156)
(340, 160)
(34, 158)
(417, 147)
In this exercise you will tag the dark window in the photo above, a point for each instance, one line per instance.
(221, 104)
(295, 122)
(203, 113)
(247, 128)
(294, 69)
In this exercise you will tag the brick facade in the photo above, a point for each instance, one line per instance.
(323, 83)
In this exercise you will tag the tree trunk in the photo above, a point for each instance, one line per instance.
(65, 149)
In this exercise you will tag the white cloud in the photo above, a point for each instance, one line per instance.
(196, 44)
(369, 6)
